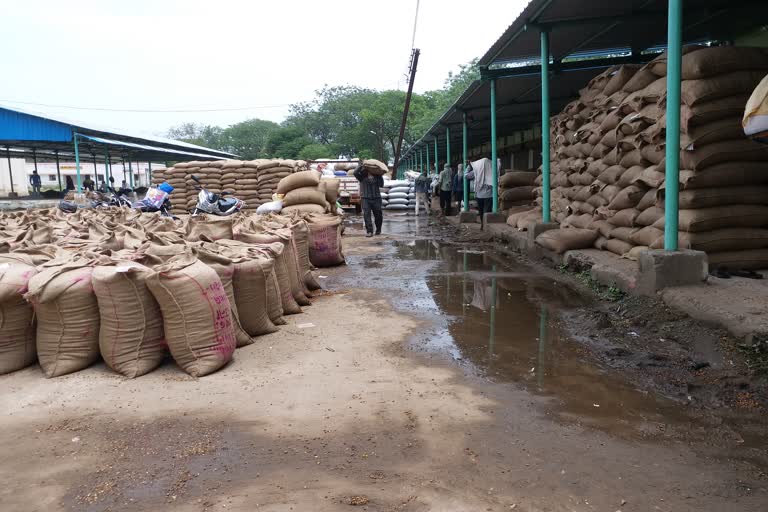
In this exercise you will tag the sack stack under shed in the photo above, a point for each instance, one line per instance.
(608, 160)
(517, 188)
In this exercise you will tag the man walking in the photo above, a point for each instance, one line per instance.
(371, 197)
(480, 172)
(445, 183)
(422, 191)
(34, 180)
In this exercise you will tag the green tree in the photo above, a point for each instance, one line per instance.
(249, 139)
(200, 134)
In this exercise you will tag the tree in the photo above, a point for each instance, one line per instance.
(249, 139)
(200, 134)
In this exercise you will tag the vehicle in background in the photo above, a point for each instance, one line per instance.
(215, 204)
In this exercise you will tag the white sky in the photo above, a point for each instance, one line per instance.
(186, 54)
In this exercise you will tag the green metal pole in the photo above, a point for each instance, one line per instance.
(545, 192)
(427, 151)
(77, 162)
(436, 158)
(464, 159)
(106, 169)
(58, 170)
(448, 145)
(494, 165)
(130, 170)
(672, 179)
(149, 173)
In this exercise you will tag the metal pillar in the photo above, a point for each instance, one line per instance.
(10, 171)
(95, 169)
(545, 192)
(427, 151)
(77, 163)
(464, 159)
(107, 170)
(672, 177)
(58, 170)
(130, 170)
(448, 145)
(34, 158)
(149, 173)
(437, 169)
(494, 164)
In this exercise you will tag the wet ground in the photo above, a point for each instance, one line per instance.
(433, 373)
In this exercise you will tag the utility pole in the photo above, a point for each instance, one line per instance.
(414, 63)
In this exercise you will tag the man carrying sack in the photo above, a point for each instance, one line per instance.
(370, 183)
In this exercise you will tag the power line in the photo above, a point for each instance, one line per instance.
(136, 110)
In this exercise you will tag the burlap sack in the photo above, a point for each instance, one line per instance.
(375, 167)
(517, 179)
(720, 196)
(298, 180)
(561, 240)
(17, 331)
(725, 175)
(627, 197)
(304, 208)
(708, 155)
(209, 228)
(301, 240)
(325, 242)
(694, 92)
(305, 195)
(753, 259)
(196, 314)
(617, 246)
(131, 338)
(225, 269)
(331, 190)
(719, 240)
(252, 282)
(67, 316)
(718, 217)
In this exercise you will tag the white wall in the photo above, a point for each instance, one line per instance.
(20, 179)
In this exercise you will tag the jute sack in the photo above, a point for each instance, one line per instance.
(304, 208)
(716, 60)
(196, 314)
(285, 238)
(209, 228)
(325, 242)
(733, 216)
(617, 246)
(332, 190)
(518, 193)
(17, 326)
(265, 244)
(301, 238)
(67, 316)
(305, 195)
(561, 240)
(375, 167)
(718, 240)
(719, 86)
(708, 155)
(225, 269)
(720, 196)
(298, 180)
(253, 273)
(517, 179)
(725, 175)
(131, 339)
(753, 259)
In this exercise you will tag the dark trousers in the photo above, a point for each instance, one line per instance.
(484, 205)
(445, 201)
(372, 205)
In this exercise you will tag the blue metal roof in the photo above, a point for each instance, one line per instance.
(17, 126)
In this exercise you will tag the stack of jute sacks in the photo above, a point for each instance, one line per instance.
(517, 188)
(127, 286)
(400, 195)
(608, 161)
(254, 181)
(303, 192)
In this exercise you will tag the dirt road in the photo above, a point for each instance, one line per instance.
(428, 377)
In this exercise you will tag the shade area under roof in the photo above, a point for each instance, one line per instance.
(30, 133)
(589, 25)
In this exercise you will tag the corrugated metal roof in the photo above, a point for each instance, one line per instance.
(588, 25)
(20, 124)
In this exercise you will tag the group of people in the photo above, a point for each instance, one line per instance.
(449, 186)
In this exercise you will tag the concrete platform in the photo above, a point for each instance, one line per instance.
(739, 305)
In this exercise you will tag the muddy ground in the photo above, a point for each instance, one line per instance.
(435, 373)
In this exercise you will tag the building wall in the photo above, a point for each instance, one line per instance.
(20, 178)
(49, 177)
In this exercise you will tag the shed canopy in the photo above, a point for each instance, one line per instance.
(28, 132)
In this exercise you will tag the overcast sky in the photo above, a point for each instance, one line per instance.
(173, 54)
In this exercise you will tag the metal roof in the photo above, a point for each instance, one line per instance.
(29, 130)
(585, 37)
(588, 25)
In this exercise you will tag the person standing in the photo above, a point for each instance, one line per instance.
(88, 183)
(422, 191)
(70, 183)
(445, 184)
(458, 186)
(481, 173)
(370, 194)
(34, 180)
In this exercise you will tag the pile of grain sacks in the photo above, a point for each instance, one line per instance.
(254, 181)
(398, 195)
(608, 150)
(128, 287)
(517, 188)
